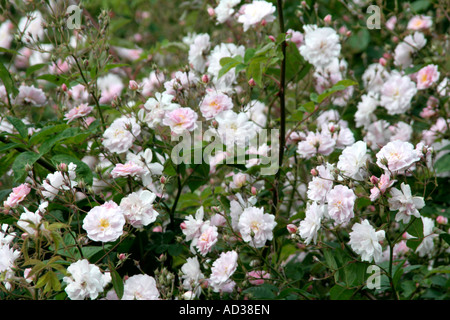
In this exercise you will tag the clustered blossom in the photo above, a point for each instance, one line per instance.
(406, 204)
(140, 287)
(138, 209)
(85, 280)
(256, 13)
(365, 241)
(256, 227)
(59, 181)
(105, 222)
(221, 271)
(17, 195)
(119, 137)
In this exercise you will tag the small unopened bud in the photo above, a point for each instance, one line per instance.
(162, 258)
(188, 295)
(163, 180)
(348, 33)
(251, 82)
(374, 179)
(133, 85)
(122, 256)
(382, 61)
(205, 78)
(263, 22)
(327, 19)
(441, 220)
(211, 11)
(292, 228)
(183, 226)
(272, 38)
(64, 87)
(215, 124)
(314, 172)
(254, 191)
(62, 167)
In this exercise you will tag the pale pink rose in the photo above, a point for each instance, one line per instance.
(104, 223)
(381, 185)
(257, 277)
(17, 195)
(31, 95)
(400, 249)
(390, 24)
(341, 200)
(130, 54)
(239, 180)
(22, 59)
(207, 239)
(427, 112)
(214, 103)
(420, 22)
(78, 93)
(110, 86)
(127, 169)
(180, 120)
(315, 143)
(295, 37)
(88, 121)
(397, 156)
(59, 67)
(427, 76)
(78, 112)
(218, 220)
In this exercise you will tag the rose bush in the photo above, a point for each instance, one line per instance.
(224, 150)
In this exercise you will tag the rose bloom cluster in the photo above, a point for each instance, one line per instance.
(118, 218)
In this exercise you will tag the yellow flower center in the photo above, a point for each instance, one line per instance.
(104, 223)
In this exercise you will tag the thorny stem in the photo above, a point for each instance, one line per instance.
(282, 107)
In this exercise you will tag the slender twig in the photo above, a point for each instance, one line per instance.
(281, 95)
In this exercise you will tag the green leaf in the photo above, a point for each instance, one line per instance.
(35, 68)
(249, 54)
(338, 292)
(7, 80)
(19, 125)
(18, 167)
(420, 5)
(415, 230)
(254, 71)
(42, 134)
(442, 164)
(48, 144)
(117, 283)
(445, 237)
(262, 292)
(11, 146)
(360, 40)
(293, 61)
(227, 64)
(55, 79)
